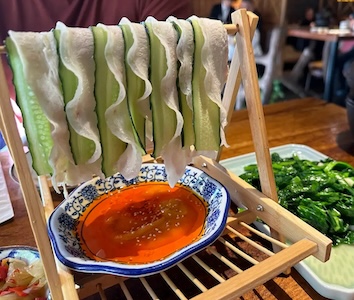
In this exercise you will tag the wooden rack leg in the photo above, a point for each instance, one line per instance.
(66, 278)
(234, 78)
(29, 190)
(255, 108)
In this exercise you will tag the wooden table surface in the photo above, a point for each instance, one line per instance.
(315, 123)
(326, 35)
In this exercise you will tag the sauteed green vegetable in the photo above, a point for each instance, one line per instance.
(319, 192)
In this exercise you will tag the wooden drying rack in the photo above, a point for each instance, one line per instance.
(305, 240)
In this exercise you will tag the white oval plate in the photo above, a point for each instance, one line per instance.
(333, 279)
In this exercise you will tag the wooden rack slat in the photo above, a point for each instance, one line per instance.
(264, 236)
(192, 278)
(126, 291)
(225, 260)
(172, 285)
(148, 289)
(238, 251)
(101, 292)
(87, 285)
(208, 269)
(251, 242)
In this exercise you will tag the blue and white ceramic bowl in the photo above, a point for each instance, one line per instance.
(25, 253)
(64, 220)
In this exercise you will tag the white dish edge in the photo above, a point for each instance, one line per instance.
(304, 152)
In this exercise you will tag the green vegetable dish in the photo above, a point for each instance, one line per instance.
(319, 192)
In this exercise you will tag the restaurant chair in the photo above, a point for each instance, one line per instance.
(317, 69)
(290, 55)
(270, 61)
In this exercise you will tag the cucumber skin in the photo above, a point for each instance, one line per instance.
(188, 138)
(82, 148)
(206, 114)
(36, 124)
(106, 93)
(135, 88)
(164, 120)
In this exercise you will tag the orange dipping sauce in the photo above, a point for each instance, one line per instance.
(142, 223)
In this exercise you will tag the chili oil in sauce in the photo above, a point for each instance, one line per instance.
(142, 223)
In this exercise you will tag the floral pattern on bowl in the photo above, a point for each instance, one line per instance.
(64, 220)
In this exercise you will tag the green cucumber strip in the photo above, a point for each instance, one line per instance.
(135, 87)
(187, 113)
(188, 137)
(164, 119)
(82, 148)
(36, 124)
(106, 93)
(206, 114)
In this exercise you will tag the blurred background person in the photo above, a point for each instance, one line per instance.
(222, 11)
(309, 17)
(309, 21)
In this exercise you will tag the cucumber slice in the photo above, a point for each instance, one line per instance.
(164, 120)
(37, 126)
(106, 93)
(135, 87)
(82, 148)
(188, 138)
(206, 114)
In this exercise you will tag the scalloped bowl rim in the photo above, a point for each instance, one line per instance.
(135, 270)
(26, 249)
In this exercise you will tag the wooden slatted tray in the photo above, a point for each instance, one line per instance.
(206, 274)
